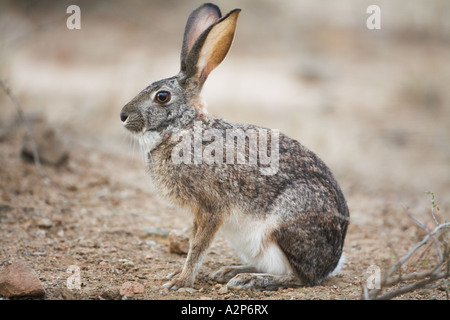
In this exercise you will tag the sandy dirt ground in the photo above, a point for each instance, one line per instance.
(373, 104)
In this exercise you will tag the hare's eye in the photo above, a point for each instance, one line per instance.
(162, 96)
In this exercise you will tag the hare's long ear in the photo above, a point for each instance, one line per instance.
(199, 20)
(210, 48)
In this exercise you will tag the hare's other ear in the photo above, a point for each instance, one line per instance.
(210, 48)
(199, 20)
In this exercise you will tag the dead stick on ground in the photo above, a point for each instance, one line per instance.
(425, 278)
(29, 133)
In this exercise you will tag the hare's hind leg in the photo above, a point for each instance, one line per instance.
(270, 270)
(267, 267)
(304, 251)
(225, 274)
(313, 245)
(265, 281)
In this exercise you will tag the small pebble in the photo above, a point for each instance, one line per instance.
(19, 280)
(44, 223)
(178, 242)
(129, 289)
(186, 290)
(40, 234)
(126, 262)
(223, 290)
(157, 232)
(164, 291)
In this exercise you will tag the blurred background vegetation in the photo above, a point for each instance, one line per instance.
(374, 104)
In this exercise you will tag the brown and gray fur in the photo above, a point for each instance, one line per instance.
(288, 227)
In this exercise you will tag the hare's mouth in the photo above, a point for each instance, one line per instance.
(133, 122)
(133, 127)
(134, 130)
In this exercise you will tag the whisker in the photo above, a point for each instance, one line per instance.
(129, 140)
(141, 147)
(132, 142)
(147, 152)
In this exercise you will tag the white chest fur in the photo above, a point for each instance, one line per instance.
(149, 140)
(250, 237)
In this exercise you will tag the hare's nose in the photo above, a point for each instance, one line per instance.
(123, 116)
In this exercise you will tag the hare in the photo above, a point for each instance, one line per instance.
(285, 215)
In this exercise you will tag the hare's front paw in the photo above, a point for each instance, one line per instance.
(173, 274)
(178, 283)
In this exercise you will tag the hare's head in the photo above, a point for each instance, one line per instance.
(174, 103)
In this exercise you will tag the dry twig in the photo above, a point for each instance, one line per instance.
(424, 279)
